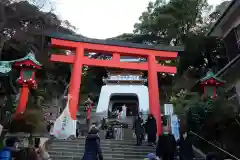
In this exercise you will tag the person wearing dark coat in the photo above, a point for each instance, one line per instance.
(92, 146)
(103, 124)
(151, 129)
(138, 128)
(166, 146)
(186, 150)
(212, 156)
(78, 125)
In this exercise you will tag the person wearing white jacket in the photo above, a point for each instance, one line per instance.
(120, 118)
(124, 111)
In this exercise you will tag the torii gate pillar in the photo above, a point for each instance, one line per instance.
(153, 90)
(75, 82)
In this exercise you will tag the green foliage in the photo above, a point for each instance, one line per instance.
(31, 121)
(92, 79)
(200, 113)
(170, 21)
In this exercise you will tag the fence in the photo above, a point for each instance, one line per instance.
(215, 148)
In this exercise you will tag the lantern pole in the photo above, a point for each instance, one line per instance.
(23, 99)
(27, 66)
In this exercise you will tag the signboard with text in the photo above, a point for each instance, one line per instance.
(168, 109)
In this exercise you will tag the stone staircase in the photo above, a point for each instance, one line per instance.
(112, 149)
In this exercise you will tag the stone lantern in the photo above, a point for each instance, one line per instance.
(209, 84)
(27, 67)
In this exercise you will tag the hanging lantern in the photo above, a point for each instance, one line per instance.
(209, 83)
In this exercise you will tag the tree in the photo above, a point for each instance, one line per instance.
(23, 27)
(201, 54)
(180, 18)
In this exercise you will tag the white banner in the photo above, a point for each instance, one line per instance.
(64, 126)
(168, 109)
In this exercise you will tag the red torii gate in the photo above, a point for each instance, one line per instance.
(116, 49)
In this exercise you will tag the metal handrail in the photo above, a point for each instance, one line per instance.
(224, 151)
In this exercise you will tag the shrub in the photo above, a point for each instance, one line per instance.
(31, 121)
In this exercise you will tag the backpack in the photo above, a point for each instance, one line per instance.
(5, 154)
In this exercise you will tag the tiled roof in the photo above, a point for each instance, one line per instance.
(76, 38)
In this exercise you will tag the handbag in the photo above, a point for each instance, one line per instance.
(134, 135)
(146, 137)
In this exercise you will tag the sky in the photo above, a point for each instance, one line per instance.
(103, 18)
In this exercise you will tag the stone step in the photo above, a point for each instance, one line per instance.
(82, 139)
(108, 147)
(112, 149)
(106, 157)
(113, 145)
(121, 155)
(57, 157)
(103, 142)
(79, 158)
(104, 149)
(80, 151)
